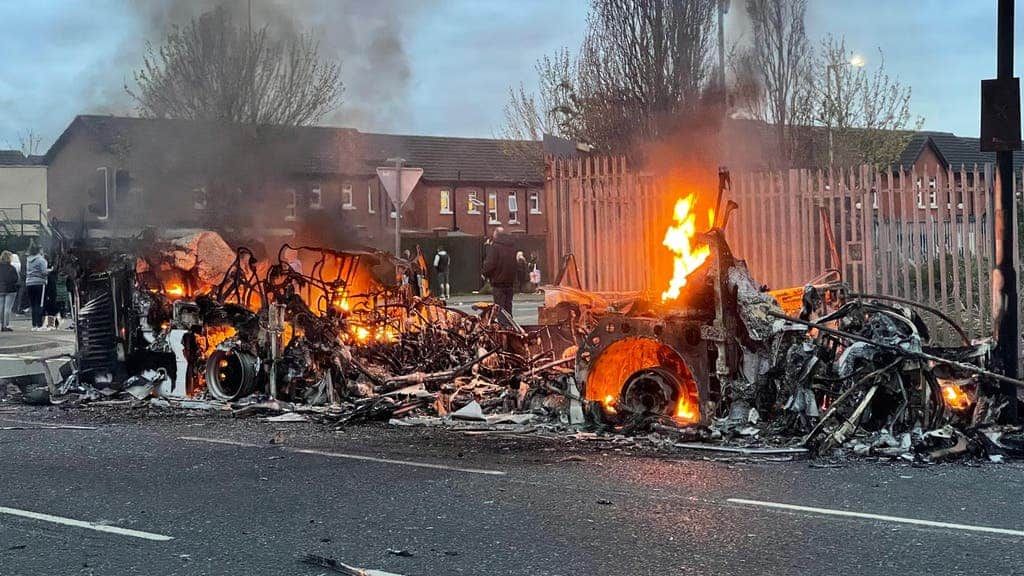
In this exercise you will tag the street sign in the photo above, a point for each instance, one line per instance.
(388, 177)
(1000, 115)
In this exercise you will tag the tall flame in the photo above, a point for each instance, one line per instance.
(678, 239)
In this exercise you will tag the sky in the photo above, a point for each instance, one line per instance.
(59, 58)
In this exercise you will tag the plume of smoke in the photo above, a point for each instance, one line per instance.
(366, 37)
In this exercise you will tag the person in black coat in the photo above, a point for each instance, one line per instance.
(500, 269)
(9, 281)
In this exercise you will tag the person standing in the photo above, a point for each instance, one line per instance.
(36, 271)
(442, 264)
(9, 281)
(522, 273)
(534, 273)
(500, 268)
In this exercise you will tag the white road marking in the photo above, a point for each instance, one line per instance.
(219, 441)
(49, 425)
(82, 524)
(400, 462)
(882, 517)
(348, 456)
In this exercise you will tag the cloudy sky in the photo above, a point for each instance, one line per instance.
(451, 61)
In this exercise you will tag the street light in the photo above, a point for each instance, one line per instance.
(857, 61)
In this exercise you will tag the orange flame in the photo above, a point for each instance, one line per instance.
(678, 239)
(609, 404)
(955, 397)
(212, 337)
(685, 410)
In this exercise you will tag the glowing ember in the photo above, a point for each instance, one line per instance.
(678, 239)
(609, 404)
(174, 290)
(955, 397)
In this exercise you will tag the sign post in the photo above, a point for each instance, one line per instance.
(1000, 133)
(399, 182)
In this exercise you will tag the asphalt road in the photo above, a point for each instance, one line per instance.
(483, 505)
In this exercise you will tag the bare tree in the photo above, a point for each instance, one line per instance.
(643, 65)
(780, 60)
(214, 70)
(28, 142)
(866, 113)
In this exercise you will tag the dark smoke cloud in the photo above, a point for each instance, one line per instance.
(368, 38)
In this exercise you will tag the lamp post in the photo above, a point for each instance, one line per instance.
(1004, 274)
(857, 61)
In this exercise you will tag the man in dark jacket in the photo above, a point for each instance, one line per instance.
(500, 268)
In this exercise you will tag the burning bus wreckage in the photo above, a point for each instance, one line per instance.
(714, 363)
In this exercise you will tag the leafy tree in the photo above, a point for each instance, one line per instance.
(865, 111)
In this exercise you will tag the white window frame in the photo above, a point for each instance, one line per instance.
(472, 203)
(371, 206)
(493, 214)
(347, 201)
(200, 205)
(513, 208)
(535, 202)
(291, 205)
(316, 198)
(445, 201)
(932, 193)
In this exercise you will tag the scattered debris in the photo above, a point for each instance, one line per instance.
(399, 552)
(719, 367)
(288, 417)
(340, 568)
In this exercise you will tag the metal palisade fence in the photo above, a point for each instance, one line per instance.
(924, 236)
(608, 217)
(921, 235)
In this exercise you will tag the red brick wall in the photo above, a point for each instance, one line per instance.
(429, 216)
(927, 166)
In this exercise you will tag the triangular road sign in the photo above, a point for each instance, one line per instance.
(388, 177)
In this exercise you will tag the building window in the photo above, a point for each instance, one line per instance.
(446, 201)
(371, 202)
(534, 202)
(513, 208)
(931, 193)
(316, 198)
(289, 208)
(492, 208)
(199, 198)
(472, 203)
(346, 197)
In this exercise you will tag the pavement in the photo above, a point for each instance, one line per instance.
(23, 339)
(25, 353)
(207, 494)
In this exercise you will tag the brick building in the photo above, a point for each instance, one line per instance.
(113, 176)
